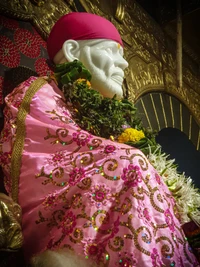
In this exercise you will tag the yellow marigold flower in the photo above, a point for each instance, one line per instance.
(80, 80)
(131, 134)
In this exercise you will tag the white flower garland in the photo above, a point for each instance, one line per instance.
(182, 188)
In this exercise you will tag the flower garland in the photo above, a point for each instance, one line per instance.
(182, 188)
(105, 117)
(118, 120)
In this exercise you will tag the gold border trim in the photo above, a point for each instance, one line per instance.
(154, 108)
(172, 111)
(163, 110)
(146, 114)
(20, 135)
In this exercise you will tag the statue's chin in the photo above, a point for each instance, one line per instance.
(109, 88)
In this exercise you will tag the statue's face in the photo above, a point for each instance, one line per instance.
(104, 59)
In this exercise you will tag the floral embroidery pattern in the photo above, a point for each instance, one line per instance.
(155, 258)
(41, 67)
(27, 43)
(126, 261)
(99, 195)
(169, 220)
(5, 158)
(158, 180)
(81, 138)
(93, 249)
(76, 175)
(50, 200)
(131, 175)
(86, 206)
(56, 159)
(144, 213)
(9, 55)
(109, 149)
(9, 23)
(68, 223)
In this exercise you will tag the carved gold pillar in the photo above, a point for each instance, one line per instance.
(179, 46)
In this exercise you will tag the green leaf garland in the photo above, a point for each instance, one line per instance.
(99, 115)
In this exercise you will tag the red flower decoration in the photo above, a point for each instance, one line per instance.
(27, 43)
(109, 149)
(5, 158)
(9, 23)
(76, 175)
(94, 250)
(9, 55)
(132, 175)
(81, 138)
(68, 223)
(158, 180)
(127, 262)
(41, 67)
(40, 40)
(155, 258)
(169, 220)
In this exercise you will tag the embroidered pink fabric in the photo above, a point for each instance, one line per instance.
(100, 198)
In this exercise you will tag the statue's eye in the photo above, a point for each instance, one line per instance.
(109, 50)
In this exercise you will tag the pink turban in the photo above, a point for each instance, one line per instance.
(80, 26)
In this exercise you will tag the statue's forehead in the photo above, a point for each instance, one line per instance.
(105, 43)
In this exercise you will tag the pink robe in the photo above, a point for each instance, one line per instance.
(100, 198)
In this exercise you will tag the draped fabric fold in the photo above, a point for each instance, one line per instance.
(100, 198)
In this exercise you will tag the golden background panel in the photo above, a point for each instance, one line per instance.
(43, 16)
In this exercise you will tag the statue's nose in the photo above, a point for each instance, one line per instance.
(121, 62)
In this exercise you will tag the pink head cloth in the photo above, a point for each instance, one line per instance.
(80, 26)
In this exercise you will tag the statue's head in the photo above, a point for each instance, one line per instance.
(96, 43)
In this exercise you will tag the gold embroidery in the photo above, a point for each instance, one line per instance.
(20, 134)
(77, 236)
(85, 159)
(109, 165)
(11, 238)
(101, 217)
(140, 195)
(155, 189)
(95, 143)
(118, 244)
(56, 173)
(63, 119)
(165, 250)
(60, 134)
(142, 160)
(85, 184)
(146, 237)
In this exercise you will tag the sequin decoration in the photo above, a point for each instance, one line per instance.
(68, 223)
(81, 138)
(169, 220)
(131, 175)
(99, 195)
(76, 175)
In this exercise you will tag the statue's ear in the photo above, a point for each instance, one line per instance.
(71, 50)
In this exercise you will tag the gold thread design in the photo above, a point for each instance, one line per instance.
(20, 134)
(163, 109)
(154, 108)
(172, 112)
(145, 111)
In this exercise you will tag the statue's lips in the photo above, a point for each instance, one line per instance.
(118, 78)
